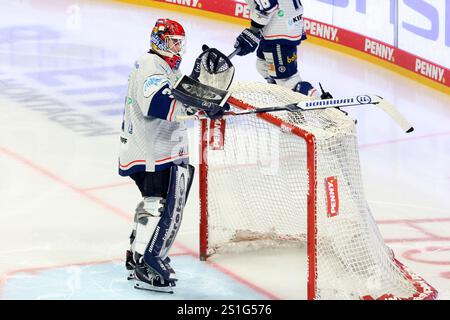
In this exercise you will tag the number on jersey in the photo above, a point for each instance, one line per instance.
(297, 4)
(266, 5)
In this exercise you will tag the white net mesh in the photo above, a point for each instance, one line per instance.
(258, 194)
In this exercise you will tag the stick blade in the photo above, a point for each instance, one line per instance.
(395, 115)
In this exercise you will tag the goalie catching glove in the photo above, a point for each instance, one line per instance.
(213, 68)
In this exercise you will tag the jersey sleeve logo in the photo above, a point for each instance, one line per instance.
(152, 84)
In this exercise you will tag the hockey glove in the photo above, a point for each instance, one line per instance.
(248, 41)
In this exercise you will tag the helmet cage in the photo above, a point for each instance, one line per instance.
(175, 44)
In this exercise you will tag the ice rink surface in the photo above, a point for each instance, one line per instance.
(65, 214)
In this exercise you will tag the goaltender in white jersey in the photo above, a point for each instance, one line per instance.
(154, 153)
(154, 149)
(152, 139)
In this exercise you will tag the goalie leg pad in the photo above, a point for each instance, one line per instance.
(148, 215)
(150, 184)
(191, 170)
(169, 224)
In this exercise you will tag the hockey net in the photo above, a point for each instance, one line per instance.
(293, 179)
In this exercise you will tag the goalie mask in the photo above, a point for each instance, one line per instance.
(168, 41)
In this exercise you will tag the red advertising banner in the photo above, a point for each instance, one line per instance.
(217, 134)
(331, 188)
(219, 6)
(227, 7)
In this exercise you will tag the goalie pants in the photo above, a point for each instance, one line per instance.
(152, 184)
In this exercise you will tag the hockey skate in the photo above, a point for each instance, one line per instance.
(130, 265)
(148, 279)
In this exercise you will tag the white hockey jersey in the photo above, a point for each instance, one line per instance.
(151, 138)
(283, 19)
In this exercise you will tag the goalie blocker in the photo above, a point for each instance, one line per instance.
(201, 97)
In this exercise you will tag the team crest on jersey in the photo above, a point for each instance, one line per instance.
(152, 83)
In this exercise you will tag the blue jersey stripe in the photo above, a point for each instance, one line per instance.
(164, 166)
(133, 169)
(160, 104)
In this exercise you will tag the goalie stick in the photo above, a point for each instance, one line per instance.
(360, 100)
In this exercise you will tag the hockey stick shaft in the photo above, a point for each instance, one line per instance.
(343, 102)
(307, 105)
(235, 52)
(329, 103)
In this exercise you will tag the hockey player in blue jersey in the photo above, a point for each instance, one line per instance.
(276, 31)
